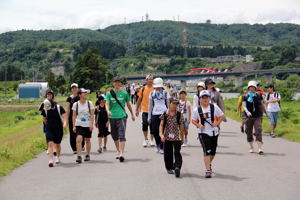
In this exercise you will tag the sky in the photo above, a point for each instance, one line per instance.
(95, 14)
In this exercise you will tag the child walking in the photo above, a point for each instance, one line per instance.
(102, 123)
(171, 127)
(185, 108)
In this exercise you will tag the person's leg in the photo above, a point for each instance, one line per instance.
(249, 132)
(58, 149)
(72, 137)
(122, 138)
(155, 121)
(115, 133)
(105, 141)
(145, 125)
(205, 142)
(100, 142)
(177, 154)
(88, 145)
(168, 155)
(79, 139)
(258, 130)
(50, 150)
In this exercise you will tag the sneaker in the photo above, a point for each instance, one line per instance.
(122, 159)
(183, 145)
(54, 153)
(170, 171)
(242, 129)
(74, 152)
(260, 152)
(87, 158)
(83, 148)
(50, 164)
(117, 156)
(251, 150)
(57, 160)
(47, 152)
(145, 143)
(104, 149)
(272, 135)
(177, 172)
(152, 144)
(186, 141)
(79, 159)
(157, 149)
(100, 150)
(161, 151)
(208, 174)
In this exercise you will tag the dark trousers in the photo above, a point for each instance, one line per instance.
(73, 137)
(172, 148)
(256, 123)
(155, 123)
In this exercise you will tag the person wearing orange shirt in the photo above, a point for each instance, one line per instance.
(143, 103)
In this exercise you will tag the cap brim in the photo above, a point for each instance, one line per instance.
(205, 95)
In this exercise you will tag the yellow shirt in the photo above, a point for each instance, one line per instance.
(240, 101)
(145, 96)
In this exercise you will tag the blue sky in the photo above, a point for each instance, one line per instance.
(94, 14)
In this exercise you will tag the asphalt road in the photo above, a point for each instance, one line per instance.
(238, 174)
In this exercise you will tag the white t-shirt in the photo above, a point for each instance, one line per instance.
(159, 97)
(132, 90)
(208, 128)
(183, 108)
(83, 118)
(273, 107)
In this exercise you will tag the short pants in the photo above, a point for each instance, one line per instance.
(83, 131)
(209, 144)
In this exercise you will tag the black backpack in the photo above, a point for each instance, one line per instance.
(203, 118)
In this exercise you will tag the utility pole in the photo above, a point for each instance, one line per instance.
(185, 42)
(5, 78)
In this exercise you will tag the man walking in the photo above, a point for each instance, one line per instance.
(116, 100)
(143, 102)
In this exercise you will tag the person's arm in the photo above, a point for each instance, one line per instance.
(248, 113)
(92, 110)
(239, 106)
(161, 129)
(138, 105)
(74, 121)
(195, 121)
(67, 113)
(130, 109)
(150, 108)
(181, 127)
(189, 113)
(196, 101)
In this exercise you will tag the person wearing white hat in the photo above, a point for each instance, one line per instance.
(158, 104)
(200, 87)
(253, 107)
(207, 118)
(83, 123)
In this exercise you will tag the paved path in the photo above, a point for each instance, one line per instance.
(239, 175)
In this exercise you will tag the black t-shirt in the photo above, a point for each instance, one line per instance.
(72, 100)
(102, 115)
(53, 118)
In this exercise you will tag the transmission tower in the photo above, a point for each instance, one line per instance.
(185, 42)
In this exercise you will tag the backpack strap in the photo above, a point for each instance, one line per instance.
(165, 122)
(142, 93)
(178, 117)
(76, 108)
(166, 98)
(114, 95)
(268, 97)
(203, 117)
(212, 112)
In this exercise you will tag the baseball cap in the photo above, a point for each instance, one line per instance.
(174, 100)
(82, 90)
(245, 88)
(149, 76)
(204, 93)
(209, 81)
(117, 78)
(74, 85)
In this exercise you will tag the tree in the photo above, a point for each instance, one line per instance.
(90, 70)
(50, 78)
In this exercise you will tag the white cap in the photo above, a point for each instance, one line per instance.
(204, 93)
(158, 83)
(149, 76)
(252, 83)
(74, 85)
(82, 90)
(201, 84)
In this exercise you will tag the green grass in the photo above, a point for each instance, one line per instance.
(288, 124)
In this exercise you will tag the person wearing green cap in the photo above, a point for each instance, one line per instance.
(240, 109)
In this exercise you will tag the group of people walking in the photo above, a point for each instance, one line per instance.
(165, 114)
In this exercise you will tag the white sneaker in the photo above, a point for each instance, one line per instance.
(251, 150)
(50, 164)
(183, 145)
(161, 151)
(152, 144)
(145, 143)
(57, 160)
(47, 152)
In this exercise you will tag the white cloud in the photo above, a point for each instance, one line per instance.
(58, 14)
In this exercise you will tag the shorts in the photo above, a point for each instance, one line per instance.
(103, 130)
(273, 117)
(209, 144)
(186, 124)
(54, 133)
(118, 129)
(83, 131)
(145, 122)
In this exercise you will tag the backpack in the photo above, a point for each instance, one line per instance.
(203, 117)
(142, 93)
(88, 107)
(276, 95)
(178, 116)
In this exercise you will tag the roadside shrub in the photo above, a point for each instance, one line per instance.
(4, 153)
